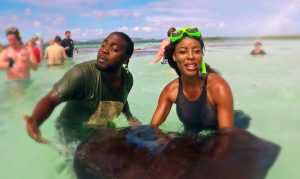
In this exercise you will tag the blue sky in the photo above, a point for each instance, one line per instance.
(93, 19)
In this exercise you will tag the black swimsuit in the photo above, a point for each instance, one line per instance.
(196, 115)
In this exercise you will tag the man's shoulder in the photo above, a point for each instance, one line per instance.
(87, 63)
(127, 73)
(49, 47)
(86, 67)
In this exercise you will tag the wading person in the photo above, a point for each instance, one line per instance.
(95, 93)
(203, 98)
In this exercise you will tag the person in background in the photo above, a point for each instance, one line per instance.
(1, 47)
(51, 42)
(68, 44)
(17, 54)
(258, 49)
(95, 93)
(32, 45)
(162, 47)
(39, 43)
(55, 53)
(203, 98)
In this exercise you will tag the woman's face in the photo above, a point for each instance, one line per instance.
(188, 56)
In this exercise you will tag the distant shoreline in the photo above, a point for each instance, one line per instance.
(271, 37)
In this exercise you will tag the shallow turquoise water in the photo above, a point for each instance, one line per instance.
(267, 88)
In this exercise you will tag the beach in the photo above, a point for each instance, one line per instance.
(266, 88)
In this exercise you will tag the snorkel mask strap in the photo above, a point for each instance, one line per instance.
(203, 67)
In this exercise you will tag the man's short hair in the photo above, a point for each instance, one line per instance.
(258, 44)
(67, 32)
(170, 31)
(57, 39)
(13, 31)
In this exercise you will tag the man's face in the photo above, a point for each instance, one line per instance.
(112, 53)
(68, 35)
(257, 47)
(12, 40)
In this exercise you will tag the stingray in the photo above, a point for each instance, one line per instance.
(144, 152)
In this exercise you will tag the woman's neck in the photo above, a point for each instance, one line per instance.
(191, 81)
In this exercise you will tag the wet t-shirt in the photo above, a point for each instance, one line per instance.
(91, 100)
(68, 43)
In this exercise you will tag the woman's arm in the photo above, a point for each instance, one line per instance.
(32, 61)
(223, 99)
(163, 108)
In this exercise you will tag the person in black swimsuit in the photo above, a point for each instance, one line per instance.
(258, 49)
(203, 98)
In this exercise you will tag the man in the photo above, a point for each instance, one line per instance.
(68, 44)
(95, 91)
(258, 49)
(162, 47)
(17, 55)
(55, 53)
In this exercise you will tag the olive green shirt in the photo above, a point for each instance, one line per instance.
(91, 100)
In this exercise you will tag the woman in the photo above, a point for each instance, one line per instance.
(162, 47)
(36, 51)
(203, 99)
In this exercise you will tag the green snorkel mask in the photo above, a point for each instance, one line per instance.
(188, 32)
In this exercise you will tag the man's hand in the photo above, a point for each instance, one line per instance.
(133, 121)
(33, 130)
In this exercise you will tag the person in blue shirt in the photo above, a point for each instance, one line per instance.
(68, 44)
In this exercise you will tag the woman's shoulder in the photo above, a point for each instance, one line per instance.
(171, 86)
(216, 84)
(171, 89)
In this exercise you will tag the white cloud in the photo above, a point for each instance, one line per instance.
(213, 17)
(57, 21)
(136, 29)
(36, 24)
(27, 12)
(60, 4)
(99, 14)
(87, 33)
(123, 29)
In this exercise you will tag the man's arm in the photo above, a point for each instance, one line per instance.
(64, 54)
(4, 65)
(68, 88)
(41, 112)
(131, 120)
